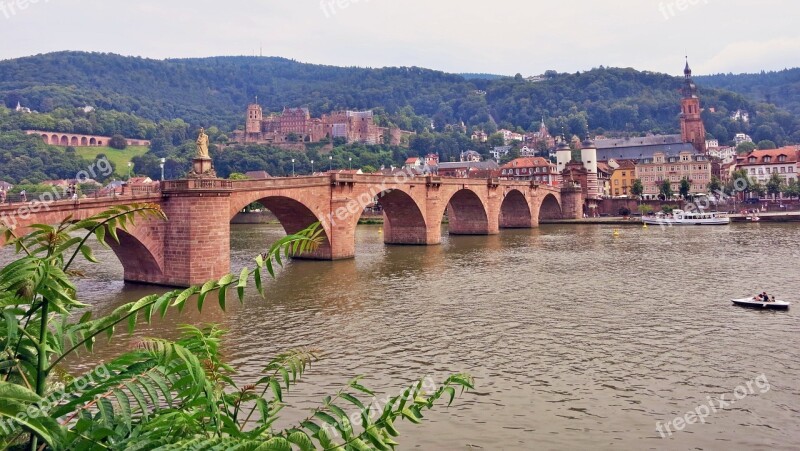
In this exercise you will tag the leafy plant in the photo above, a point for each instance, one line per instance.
(164, 394)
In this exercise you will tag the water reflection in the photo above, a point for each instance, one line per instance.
(578, 338)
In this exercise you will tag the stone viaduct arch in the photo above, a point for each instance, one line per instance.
(80, 140)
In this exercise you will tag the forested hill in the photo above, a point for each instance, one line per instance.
(215, 91)
(781, 88)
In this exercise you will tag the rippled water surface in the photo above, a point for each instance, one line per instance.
(577, 339)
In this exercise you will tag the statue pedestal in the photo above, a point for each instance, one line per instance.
(202, 168)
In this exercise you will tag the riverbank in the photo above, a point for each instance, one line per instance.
(377, 219)
(619, 220)
(600, 221)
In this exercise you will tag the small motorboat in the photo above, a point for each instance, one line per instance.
(753, 303)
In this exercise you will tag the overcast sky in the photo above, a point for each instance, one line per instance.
(498, 36)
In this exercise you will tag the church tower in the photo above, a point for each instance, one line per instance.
(692, 128)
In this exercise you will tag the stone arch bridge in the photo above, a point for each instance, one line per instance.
(193, 245)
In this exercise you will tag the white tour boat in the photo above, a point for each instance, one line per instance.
(680, 217)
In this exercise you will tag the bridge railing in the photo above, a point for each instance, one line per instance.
(197, 184)
(281, 182)
(65, 195)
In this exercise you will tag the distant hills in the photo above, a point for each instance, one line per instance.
(781, 88)
(215, 91)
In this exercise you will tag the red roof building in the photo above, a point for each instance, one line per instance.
(761, 164)
(536, 169)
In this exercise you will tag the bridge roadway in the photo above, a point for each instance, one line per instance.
(193, 245)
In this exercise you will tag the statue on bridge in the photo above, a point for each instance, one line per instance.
(202, 145)
(202, 165)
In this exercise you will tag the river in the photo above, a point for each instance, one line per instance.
(576, 338)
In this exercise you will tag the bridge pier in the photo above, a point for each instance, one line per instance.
(197, 244)
(572, 202)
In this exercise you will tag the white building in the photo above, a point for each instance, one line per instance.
(500, 152)
(726, 154)
(761, 164)
(742, 138)
(509, 136)
(740, 115)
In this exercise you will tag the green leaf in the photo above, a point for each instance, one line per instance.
(100, 233)
(45, 427)
(186, 294)
(452, 392)
(14, 392)
(353, 400)
(163, 303)
(12, 323)
(302, 440)
(207, 287)
(276, 389)
(87, 254)
(275, 444)
(259, 282)
(143, 302)
(124, 406)
(389, 426)
(327, 418)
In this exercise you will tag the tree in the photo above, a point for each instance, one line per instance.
(118, 142)
(715, 185)
(496, 140)
(757, 188)
(665, 189)
(685, 187)
(164, 394)
(745, 148)
(792, 188)
(637, 189)
(237, 176)
(766, 145)
(775, 185)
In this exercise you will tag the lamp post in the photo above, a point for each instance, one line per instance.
(312, 167)
(350, 160)
(163, 162)
(292, 167)
(330, 159)
(129, 169)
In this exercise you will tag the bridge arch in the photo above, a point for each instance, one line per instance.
(139, 259)
(550, 208)
(64, 140)
(74, 141)
(84, 141)
(54, 140)
(92, 141)
(294, 216)
(46, 139)
(404, 220)
(467, 214)
(515, 212)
